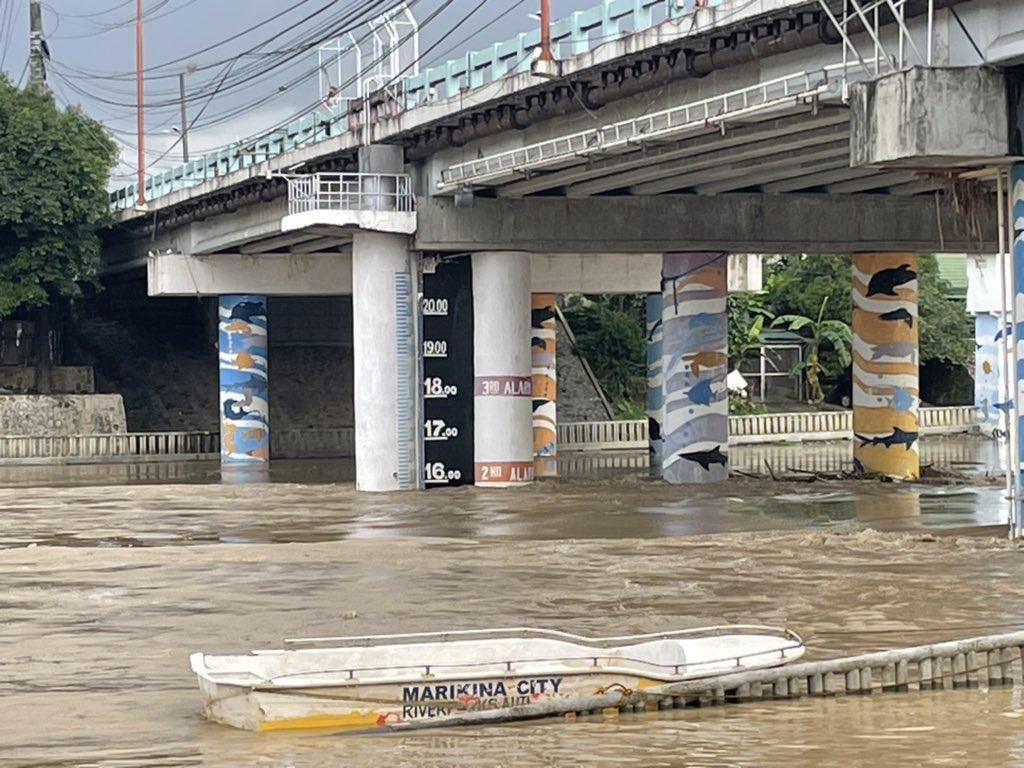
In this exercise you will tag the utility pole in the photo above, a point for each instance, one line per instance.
(140, 197)
(184, 118)
(37, 48)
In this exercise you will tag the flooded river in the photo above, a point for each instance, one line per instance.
(113, 575)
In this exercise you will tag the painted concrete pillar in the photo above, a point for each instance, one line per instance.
(1014, 406)
(655, 383)
(503, 386)
(989, 390)
(244, 391)
(384, 289)
(694, 363)
(885, 364)
(545, 385)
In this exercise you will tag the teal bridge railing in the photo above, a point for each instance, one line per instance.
(578, 33)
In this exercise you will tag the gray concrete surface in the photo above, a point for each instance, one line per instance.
(928, 118)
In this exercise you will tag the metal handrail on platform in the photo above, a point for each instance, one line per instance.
(797, 87)
(390, 192)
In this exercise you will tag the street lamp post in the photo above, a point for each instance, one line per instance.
(545, 64)
(184, 119)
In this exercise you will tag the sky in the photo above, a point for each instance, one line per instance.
(92, 49)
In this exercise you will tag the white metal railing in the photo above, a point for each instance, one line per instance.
(838, 424)
(338, 442)
(758, 428)
(130, 445)
(389, 192)
(602, 435)
(953, 417)
(663, 125)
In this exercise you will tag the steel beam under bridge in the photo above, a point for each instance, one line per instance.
(745, 223)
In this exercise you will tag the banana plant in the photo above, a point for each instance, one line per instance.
(817, 333)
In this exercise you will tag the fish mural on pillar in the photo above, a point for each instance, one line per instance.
(244, 391)
(886, 394)
(655, 383)
(545, 385)
(694, 364)
(1017, 222)
(989, 390)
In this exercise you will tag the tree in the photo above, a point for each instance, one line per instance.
(800, 283)
(946, 330)
(610, 334)
(818, 333)
(54, 166)
(747, 316)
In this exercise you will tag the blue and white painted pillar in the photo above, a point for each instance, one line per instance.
(1017, 228)
(655, 383)
(694, 363)
(989, 392)
(244, 390)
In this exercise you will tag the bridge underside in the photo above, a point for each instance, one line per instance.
(746, 223)
(799, 148)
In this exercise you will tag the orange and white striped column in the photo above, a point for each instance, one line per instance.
(886, 394)
(545, 385)
(503, 376)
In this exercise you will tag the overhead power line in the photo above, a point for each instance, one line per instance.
(340, 25)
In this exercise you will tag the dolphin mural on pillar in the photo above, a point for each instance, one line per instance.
(885, 281)
(886, 395)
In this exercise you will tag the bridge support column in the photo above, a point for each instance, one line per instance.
(694, 364)
(655, 383)
(384, 346)
(503, 388)
(989, 358)
(244, 391)
(886, 392)
(1016, 399)
(545, 385)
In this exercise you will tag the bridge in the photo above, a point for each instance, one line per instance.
(667, 139)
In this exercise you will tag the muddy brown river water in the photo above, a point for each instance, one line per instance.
(109, 582)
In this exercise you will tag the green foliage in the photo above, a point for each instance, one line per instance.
(742, 406)
(946, 330)
(800, 283)
(610, 332)
(747, 316)
(54, 166)
(629, 410)
(817, 333)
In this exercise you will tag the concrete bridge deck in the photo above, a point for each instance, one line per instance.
(639, 164)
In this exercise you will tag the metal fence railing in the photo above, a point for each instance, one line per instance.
(143, 446)
(130, 445)
(758, 428)
(671, 123)
(351, 192)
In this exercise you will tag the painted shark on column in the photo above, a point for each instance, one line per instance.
(244, 398)
(886, 394)
(545, 385)
(655, 383)
(694, 365)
